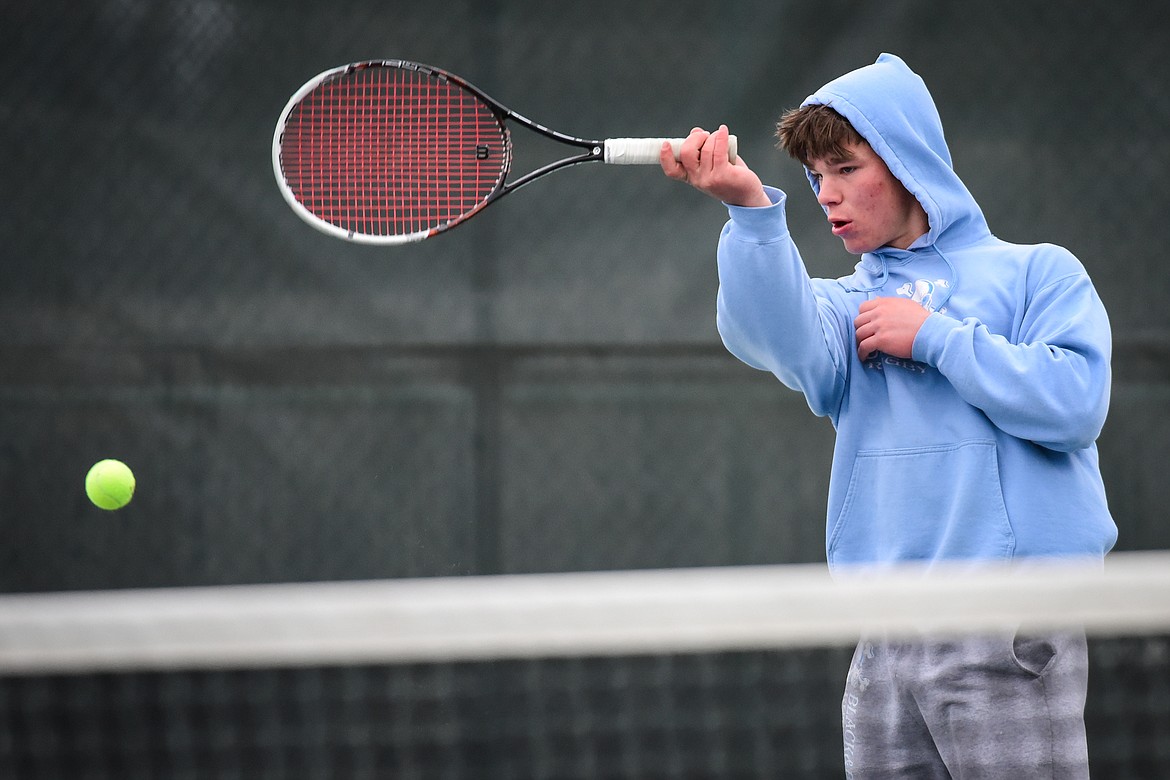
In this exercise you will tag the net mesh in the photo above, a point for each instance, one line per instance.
(153, 684)
(709, 715)
(380, 150)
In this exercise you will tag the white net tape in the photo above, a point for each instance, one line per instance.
(548, 615)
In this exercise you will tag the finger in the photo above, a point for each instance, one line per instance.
(865, 316)
(712, 155)
(865, 331)
(720, 143)
(865, 350)
(670, 165)
(689, 152)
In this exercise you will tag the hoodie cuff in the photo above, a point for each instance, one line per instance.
(761, 223)
(932, 338)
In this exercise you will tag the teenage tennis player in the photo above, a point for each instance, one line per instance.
(967, 379)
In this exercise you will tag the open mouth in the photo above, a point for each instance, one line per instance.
(839, 225)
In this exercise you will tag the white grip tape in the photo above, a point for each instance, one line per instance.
(644, 151)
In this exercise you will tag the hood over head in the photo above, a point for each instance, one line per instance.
(890, 107)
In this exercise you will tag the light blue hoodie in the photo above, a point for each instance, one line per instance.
(982, 446)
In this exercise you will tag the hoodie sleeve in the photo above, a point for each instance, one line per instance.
(767, 312)
(1050, 384)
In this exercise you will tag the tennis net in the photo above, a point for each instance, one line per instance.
(720, 672)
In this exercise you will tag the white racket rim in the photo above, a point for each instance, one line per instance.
(300, 209)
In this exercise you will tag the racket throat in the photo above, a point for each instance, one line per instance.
(594, 152)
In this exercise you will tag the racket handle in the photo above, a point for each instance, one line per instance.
(644, 151)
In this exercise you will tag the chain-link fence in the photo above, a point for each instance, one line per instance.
(540, 390)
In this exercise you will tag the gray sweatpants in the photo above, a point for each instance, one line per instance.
(1007, 706)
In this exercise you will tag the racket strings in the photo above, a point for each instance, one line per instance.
(386, 151)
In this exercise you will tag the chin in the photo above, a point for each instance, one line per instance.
(857, 249)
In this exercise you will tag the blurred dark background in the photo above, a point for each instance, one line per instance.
(542, 389)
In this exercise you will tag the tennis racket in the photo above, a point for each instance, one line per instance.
(391, 152)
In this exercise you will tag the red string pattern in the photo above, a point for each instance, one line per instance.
(386, 151)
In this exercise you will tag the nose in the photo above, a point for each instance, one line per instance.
(827, 194)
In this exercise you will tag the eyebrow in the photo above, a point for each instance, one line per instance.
(838, 159)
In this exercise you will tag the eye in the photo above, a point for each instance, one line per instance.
(847, 169)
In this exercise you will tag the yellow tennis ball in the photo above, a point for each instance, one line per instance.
(110, 484)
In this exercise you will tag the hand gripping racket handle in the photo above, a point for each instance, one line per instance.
(644, 151)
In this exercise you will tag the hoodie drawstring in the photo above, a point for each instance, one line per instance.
(954, 278)
(884, 277)
(881, 282)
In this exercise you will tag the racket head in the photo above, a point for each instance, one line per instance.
(389, 151)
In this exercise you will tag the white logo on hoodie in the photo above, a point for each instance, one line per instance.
(921, 291)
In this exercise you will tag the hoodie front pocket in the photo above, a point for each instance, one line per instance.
(925, 503)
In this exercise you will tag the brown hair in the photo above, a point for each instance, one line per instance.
(815, 132)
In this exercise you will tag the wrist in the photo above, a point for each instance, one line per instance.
(757, 200)
(754, 199)
(931, 338)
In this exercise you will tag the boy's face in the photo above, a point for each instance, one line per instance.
(867, 206)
